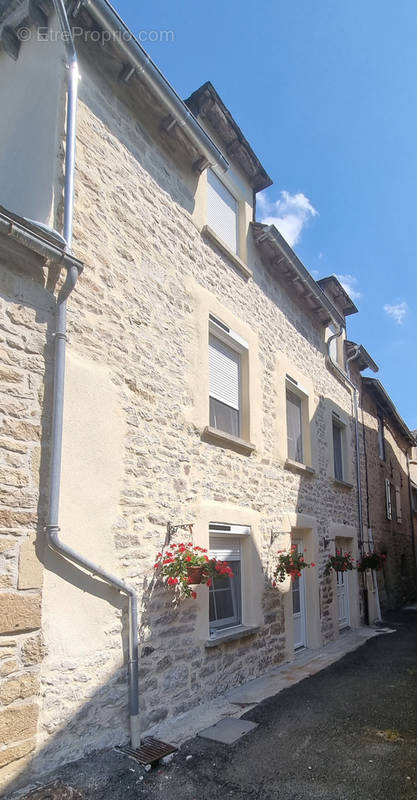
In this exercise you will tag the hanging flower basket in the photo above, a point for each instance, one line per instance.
(371, 560)
(185, 565)
(341, 562)
(291, 564)
(195, 574)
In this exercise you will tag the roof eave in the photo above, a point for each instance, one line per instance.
(204, 102)
(283, 257)
(348, 304)
(376, 387)
(362, 356)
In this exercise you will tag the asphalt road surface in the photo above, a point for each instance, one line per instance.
(347, 733)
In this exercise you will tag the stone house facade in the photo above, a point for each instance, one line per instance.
(388, 445)
(200, 391)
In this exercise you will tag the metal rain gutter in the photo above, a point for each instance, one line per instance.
(44, 247)
(52, 526)
(132, 53)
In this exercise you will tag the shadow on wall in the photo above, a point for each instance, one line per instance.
(172, 664)
(161, 672)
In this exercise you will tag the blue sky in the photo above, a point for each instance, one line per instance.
(325, 92)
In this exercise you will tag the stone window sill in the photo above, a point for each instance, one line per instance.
(212, 235)
(342, 484)
(227, 440)
(295, 466)
(231, 634)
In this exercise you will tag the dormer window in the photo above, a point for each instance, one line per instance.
(222, 211)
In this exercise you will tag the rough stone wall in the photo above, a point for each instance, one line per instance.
(133, 315)
(396, 582)
(132, 312)
(24, 314)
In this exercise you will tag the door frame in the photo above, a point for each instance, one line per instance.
(345, 583)
(299, 645)
(345, 537)
(302, 526)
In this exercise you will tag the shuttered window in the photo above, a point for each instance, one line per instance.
(294, 427)
(381, 438)
(388, 498)
(224, 386)
(225, 548)
(222, 211)
(398, 504)
(225, 596)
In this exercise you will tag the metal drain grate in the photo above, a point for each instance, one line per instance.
(150, 751)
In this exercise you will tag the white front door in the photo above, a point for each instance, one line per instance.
(342, 593)
(298, 607)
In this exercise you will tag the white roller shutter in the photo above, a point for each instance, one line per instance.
(221, 211)
(224, 549)
(224, 373)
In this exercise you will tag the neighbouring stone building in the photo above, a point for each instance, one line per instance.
(388, 443)
(413, 479)
(201, 390)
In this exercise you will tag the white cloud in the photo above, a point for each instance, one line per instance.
(397, 312)
(289, 214)
(349, 282)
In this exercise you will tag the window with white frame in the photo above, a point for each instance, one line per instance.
(338, 448)
(393, 501)
(222, 211)
(381, 438)
(225, 594)
(226, 349)
(295, 449)
(393, 494)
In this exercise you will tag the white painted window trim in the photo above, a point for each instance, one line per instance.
(238, 533)
(227, 336)
(222, 331)
(296, 388)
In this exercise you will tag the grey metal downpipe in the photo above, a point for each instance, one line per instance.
(133, 54)
(358, 465)
(52, 526)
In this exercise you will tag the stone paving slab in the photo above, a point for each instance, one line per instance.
(228, 730)
(308, 663)
(238, 701)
